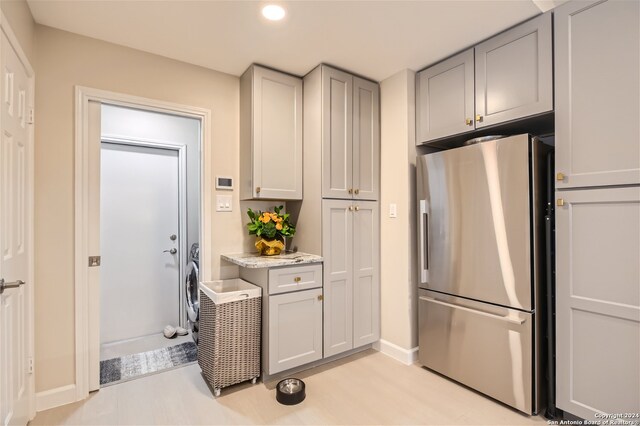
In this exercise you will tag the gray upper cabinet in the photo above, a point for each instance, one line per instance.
(366, 139)
(337, 136)
(444, 98)
(598, 301)
(270, 135)
(597, 46)
(350, 136)
(505, 78)
(514, 73)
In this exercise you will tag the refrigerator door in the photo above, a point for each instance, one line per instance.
(474, 222)
(482, 346)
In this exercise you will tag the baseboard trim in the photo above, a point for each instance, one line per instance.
(55, 397)
(405, 356)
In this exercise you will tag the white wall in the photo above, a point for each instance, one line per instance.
(397, 169)
(121, 122)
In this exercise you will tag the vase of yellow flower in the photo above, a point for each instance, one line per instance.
(270, 229)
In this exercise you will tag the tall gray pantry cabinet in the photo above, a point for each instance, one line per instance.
(597, 69)
(339, 217)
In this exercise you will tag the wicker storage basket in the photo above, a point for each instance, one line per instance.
(229, 341)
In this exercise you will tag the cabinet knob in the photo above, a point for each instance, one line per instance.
(479, 118)
(560, 176)
(350, 208)
(297, 279)
(560, 202)
(357, 208)
(468, 122)
(350, 190)
(320, 297)
(357, 191)
(257, 189)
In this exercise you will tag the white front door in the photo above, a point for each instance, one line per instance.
(139, 241)
(15, 236)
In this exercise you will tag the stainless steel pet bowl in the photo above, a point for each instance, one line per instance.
(290, 391)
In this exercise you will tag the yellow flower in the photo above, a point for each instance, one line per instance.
(265, 218)
(274, 217)
(279, 226)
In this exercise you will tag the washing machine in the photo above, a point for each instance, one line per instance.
(191, 287)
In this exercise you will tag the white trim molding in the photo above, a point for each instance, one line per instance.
(55, 397)
(405, 356)
(84, 226)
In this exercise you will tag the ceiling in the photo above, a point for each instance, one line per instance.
(373, 38)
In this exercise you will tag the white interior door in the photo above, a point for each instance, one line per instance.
(15, 237)
(139, 213)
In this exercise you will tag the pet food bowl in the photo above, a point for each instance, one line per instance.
(290, 391)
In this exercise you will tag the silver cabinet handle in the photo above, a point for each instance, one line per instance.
(474, 311)
(423, 219)
(13, 284)
(172, 251)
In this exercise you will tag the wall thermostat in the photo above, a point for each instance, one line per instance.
(224, 182)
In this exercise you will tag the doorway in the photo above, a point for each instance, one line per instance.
(149, 218)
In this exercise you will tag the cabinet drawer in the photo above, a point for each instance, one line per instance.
(283, 280)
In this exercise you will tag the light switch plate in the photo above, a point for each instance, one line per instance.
(393, 210)
(224, 203)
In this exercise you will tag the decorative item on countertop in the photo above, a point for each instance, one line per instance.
(270, 228)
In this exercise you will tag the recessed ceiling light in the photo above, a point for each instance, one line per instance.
(273, 12)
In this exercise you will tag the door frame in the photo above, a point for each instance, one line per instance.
(5, 27)
(181, 149)
(87, 227)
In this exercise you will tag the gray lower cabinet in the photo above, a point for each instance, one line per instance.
(351, 240)
(598, 301)
(505, 78)
(295, 329)
(597, 45)
(291, 315)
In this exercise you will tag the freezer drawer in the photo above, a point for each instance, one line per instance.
(483, 346)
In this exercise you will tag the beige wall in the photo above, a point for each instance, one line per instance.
(66, 60)
(397, 171)
(19, 16)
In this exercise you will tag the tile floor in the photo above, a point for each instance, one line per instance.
(366, 388)
(141, 344)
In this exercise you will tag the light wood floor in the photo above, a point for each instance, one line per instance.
(367, 388)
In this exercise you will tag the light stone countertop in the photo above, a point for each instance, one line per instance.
(254, 260)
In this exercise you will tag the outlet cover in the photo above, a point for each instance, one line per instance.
(224, 203)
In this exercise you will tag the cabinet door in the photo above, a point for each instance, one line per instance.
(366, 273)
(597, 65)
(337, 249)
(277, 135)
(444, 98)
(366, 139)
(295, 329)
(514, 73)
(598, 301)
(337, 137)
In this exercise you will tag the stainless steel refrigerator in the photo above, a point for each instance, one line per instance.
(481, 263)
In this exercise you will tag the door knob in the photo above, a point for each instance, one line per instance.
(560, 176)
(468, 122)
(560, 202)
(357, 191)
(479, 118)
(350, 190)
(173, 237)
(13, 284)
(172, 251)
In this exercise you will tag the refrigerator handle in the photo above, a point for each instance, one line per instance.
(423, 219)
